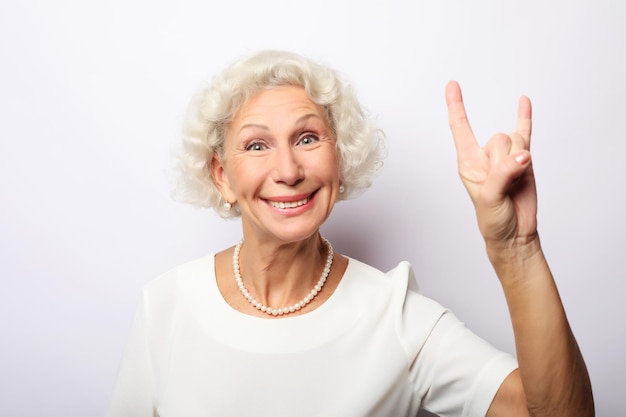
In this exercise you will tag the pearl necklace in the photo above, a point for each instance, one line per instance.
(297, 306)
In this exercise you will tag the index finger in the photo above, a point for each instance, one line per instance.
(457, 118)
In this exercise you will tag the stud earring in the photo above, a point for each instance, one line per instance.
(342, 188)
(227, 206)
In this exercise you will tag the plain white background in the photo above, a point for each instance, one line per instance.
(92, 95)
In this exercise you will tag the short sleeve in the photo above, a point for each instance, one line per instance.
(454, 371)
(463, 371)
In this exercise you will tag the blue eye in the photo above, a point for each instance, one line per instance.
(308, 139)
(256, 146)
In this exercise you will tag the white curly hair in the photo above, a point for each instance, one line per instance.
(359, 142)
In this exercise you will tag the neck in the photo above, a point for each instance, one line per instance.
(280, 274)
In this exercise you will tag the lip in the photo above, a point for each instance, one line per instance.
(289, 198)
(290, 205)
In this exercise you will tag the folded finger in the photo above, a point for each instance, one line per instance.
(498, 148)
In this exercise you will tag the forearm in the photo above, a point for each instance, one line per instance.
(553, 373)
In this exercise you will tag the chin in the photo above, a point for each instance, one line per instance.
(292, 234)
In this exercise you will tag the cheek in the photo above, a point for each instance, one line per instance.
(244, 175)
(331, 163)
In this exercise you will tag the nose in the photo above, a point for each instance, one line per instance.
(287, 167)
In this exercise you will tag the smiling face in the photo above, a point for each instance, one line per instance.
(280, 165)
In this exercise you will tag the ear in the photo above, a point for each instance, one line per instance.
(218, 173)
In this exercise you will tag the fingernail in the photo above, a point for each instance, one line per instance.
(522, 158)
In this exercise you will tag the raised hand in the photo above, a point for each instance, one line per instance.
(498, 176)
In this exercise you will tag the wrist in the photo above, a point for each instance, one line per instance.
(512, 257)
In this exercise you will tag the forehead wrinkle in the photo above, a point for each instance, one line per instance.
(259, 106)
(299, 120)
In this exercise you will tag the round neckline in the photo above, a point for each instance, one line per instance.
(231, 311)
(279, 335)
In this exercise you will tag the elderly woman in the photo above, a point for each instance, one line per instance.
(281, 325)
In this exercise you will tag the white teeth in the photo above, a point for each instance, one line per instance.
(290, 204)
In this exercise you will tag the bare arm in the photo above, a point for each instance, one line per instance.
(552, 379)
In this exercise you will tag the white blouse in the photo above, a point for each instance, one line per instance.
(376, 347)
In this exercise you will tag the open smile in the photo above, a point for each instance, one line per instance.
(290, 204)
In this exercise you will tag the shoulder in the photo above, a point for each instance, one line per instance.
(392, 300)
(399, 283)
(395, 295)
(182, 273)
(183, 280)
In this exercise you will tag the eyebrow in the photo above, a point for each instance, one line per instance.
(299, 120)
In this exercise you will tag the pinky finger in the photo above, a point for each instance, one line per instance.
(524, 120)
